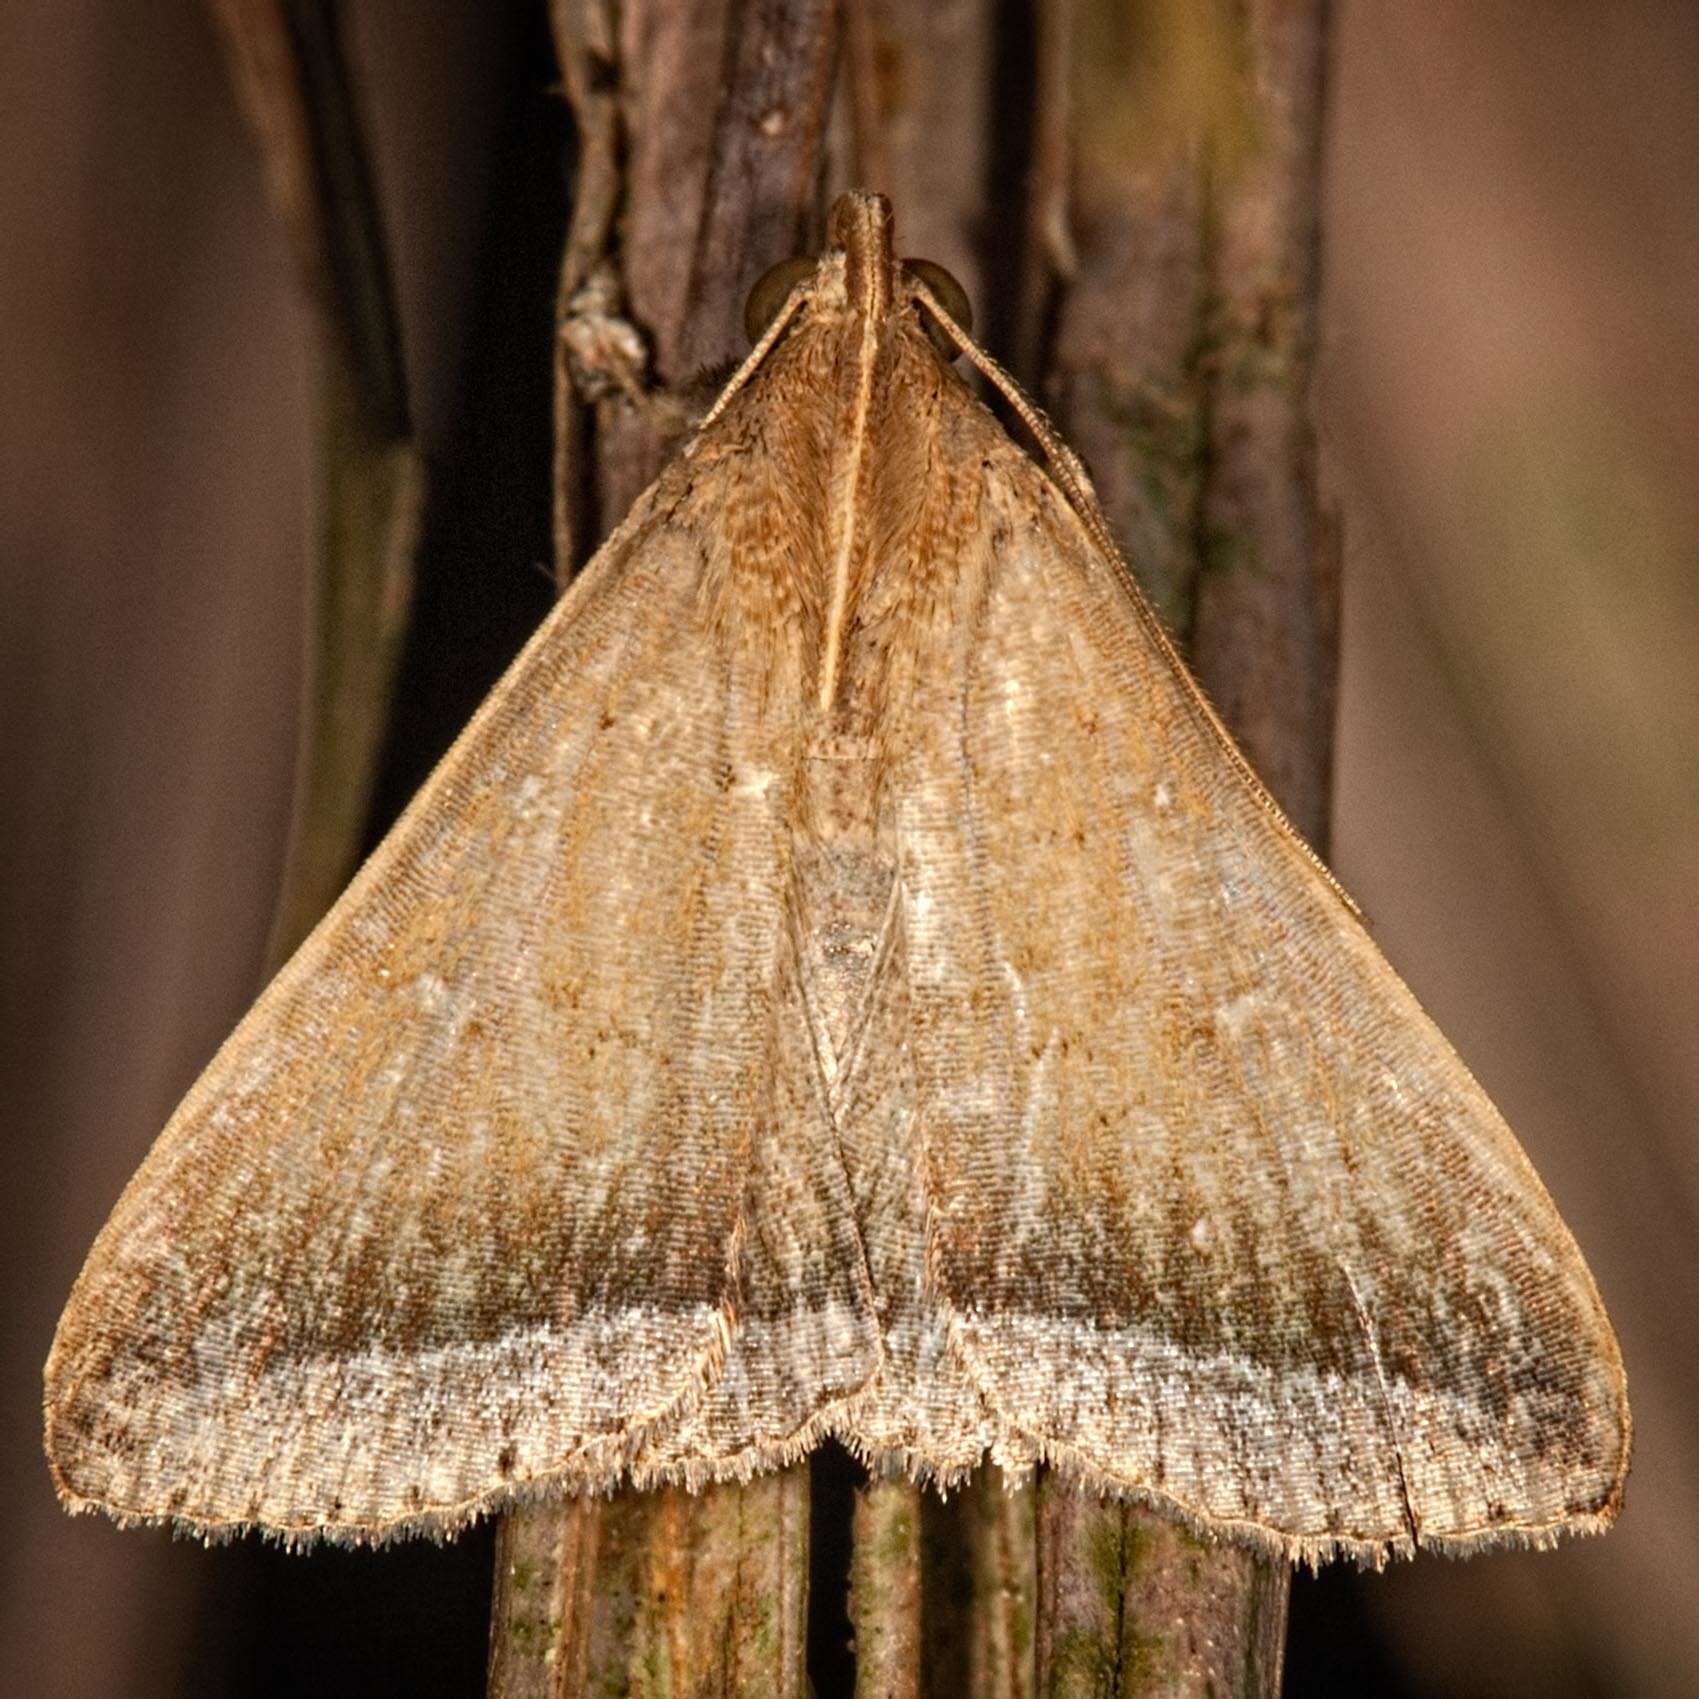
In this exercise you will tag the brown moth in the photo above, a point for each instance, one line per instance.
(844, 981)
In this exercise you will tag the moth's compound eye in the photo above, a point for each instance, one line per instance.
(950, 296)
(772, 289)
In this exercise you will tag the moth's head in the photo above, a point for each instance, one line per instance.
(858, 277)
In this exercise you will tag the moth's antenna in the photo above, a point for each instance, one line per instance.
(1071, 477)
(794, 302)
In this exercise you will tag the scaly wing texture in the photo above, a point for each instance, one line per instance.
(1218, 1216)
(505, 1177)
(807, 1336)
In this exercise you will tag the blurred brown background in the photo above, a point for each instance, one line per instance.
(1509, 405)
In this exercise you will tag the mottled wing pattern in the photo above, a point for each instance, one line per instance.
(507, 1171)
(1218, 1216)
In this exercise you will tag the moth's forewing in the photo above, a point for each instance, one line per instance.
(1221, 1218)
(464, 1203)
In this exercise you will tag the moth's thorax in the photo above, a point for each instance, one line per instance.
(856, 457)
(861, 230)
(874, 461)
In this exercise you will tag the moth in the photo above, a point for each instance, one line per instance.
(844, 981)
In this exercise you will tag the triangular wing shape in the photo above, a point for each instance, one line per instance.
(468, 1200)
(1218, 1216)
(844, 979)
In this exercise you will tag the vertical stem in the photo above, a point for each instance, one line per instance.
(700, 127)
(1129, 1602)
(981, 1590)
(584, 41)
(369, 500)
(919, 86)
(545, 1573)
(1267, 630)
(1179, 363)
(1127, 283)
(655, 1594)
(885, 1592)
